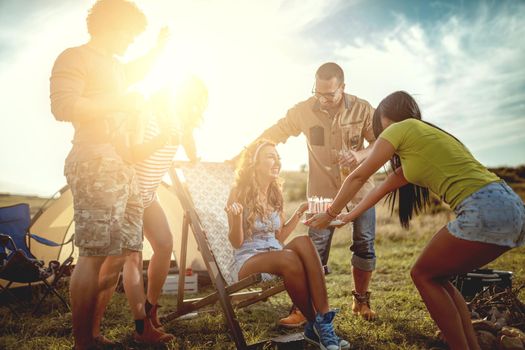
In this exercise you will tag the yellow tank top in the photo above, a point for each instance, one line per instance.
(431, 158)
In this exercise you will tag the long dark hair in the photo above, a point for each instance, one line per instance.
(397, 107)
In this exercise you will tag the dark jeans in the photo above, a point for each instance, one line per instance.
(363, 236)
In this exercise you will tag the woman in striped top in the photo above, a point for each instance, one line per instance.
(187, 115)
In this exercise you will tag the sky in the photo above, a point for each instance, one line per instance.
(463, 61)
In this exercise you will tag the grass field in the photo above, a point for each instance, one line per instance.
(403, 320)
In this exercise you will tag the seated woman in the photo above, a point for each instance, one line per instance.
(255, 217)
(490, 217)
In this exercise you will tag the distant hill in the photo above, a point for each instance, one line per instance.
(295, 181)
(295, 187)
(35, 203)
(511, 175)
(515, 177)
(15, 188)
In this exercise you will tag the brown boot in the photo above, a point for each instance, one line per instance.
(151, 335)
(294, 320)
(361, 306)
(152, 314)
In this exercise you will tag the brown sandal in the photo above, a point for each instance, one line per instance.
(361, 306)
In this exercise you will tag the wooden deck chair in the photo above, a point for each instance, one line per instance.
(203, 190)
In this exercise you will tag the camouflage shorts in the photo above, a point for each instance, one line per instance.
(108, 206)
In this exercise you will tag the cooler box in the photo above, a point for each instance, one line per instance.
(472, 283)
(171, 286)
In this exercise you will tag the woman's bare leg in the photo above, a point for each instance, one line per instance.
(287, 264)
(157, 231)
(307, 252)
(134, 285)
(466, 319)
(107, 283)
(444, 256)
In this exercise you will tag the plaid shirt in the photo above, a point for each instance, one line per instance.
(326, 136)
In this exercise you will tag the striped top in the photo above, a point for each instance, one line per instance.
(151, 170)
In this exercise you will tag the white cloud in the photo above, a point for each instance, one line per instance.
(253, 58)
(250, 53)
(467, 74)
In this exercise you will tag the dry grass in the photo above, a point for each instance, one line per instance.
(403, 320)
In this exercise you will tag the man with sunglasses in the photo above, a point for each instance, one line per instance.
(335, 124)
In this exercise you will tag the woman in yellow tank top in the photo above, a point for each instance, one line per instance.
(490, 217)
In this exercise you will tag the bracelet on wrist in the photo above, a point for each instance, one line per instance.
(330, 213)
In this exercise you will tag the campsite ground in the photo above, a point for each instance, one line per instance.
(403, 320)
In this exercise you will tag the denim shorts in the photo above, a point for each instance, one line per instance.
(250, 248)
(494, 214)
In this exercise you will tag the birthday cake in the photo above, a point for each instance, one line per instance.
(318, 205)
